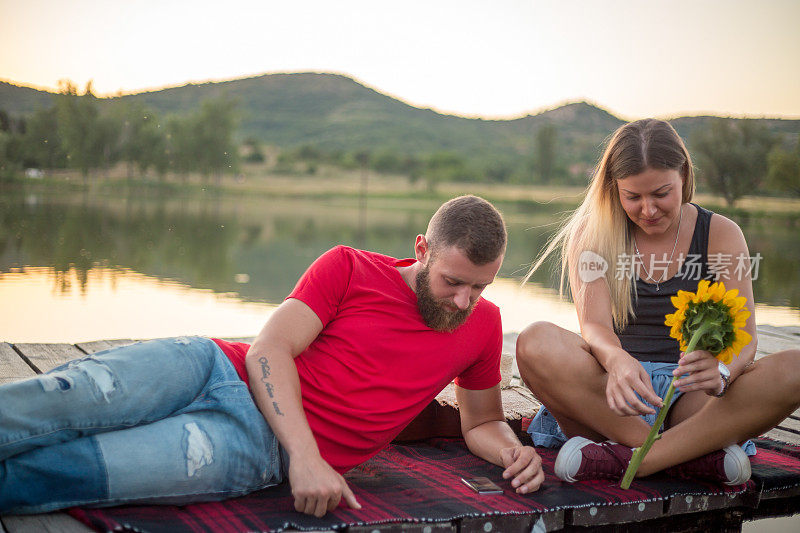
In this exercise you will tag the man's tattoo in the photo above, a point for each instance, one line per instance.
(265, 374)
(265, 371)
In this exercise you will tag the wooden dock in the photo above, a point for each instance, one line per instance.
(20, 361)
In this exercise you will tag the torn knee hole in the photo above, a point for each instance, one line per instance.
(198, 447)
(100, 375)
(56, 382)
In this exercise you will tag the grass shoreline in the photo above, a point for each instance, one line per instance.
(349, 185)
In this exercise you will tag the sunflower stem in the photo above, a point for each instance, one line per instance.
(641, 451)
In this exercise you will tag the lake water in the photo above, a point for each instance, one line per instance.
(77, 267)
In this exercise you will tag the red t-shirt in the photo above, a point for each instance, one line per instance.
(376, 365)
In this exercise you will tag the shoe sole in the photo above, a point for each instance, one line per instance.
(741, 463)
(565, 457)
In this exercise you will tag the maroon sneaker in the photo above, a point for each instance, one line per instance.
(582, 458)
(730, 466)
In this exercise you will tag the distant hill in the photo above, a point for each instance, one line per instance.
(16, 100)
(335, 112)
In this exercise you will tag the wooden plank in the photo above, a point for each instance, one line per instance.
(248, 340)
(45, 357)
(598, 515)
(44, 523)
(791, 333)
(552, 521)
(782, 435)
(97, 346)
(695, 503)
(12, 366)
(445, 527)
(791, 425)
(768, 344)
(787, 492)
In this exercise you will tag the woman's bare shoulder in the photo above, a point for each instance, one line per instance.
(725, 235)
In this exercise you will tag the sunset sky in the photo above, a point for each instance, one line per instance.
(498, 59)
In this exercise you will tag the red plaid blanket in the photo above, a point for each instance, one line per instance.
(421, 482)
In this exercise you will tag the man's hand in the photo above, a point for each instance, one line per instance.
(524, 467)
(317, 488)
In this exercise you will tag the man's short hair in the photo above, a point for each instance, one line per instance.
(472, 225)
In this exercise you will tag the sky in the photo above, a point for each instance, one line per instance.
(476, 58)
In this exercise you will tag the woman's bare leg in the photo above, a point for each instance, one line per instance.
(757, 401)
(558, 367)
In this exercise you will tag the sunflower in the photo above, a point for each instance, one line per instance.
(711, 319)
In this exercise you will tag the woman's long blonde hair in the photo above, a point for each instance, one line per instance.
(600, 224)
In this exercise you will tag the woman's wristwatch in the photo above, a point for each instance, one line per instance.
(725, 376)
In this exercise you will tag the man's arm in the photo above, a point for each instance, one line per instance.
(489, 436)
(316, 486)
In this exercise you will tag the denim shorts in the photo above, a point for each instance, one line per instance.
(546, 432)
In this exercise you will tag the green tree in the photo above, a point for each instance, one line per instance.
(7, 165)
(5, 121)
(411, 166)
(444, 166)
(784, 169)
(545, 149)
(88, 139)
(386, 161)
(253, 151)
(732, 156)
(13, 155)
(215, 127)
(204, 141)
(142, 140)
(181, 145)
(42, 143)
(497, 170)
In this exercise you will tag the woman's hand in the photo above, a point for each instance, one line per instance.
(626, 376)
(700, 371)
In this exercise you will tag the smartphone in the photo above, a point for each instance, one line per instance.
(482, 485)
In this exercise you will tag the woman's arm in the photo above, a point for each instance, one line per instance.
(625, 374)
(729, 256)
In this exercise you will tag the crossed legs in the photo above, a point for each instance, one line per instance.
(557, 365)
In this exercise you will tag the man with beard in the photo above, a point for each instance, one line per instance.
(362, 344)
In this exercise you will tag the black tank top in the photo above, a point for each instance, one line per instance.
(646, 337)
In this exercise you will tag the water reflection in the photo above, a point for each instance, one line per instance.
(120, 304)
(255, 248)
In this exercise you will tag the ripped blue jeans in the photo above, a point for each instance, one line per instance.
(166, 421)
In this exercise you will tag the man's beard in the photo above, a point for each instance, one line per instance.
(434, 310)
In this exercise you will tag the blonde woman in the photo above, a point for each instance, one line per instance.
(633, 243)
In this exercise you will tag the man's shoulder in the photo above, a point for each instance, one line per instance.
(357, 255)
